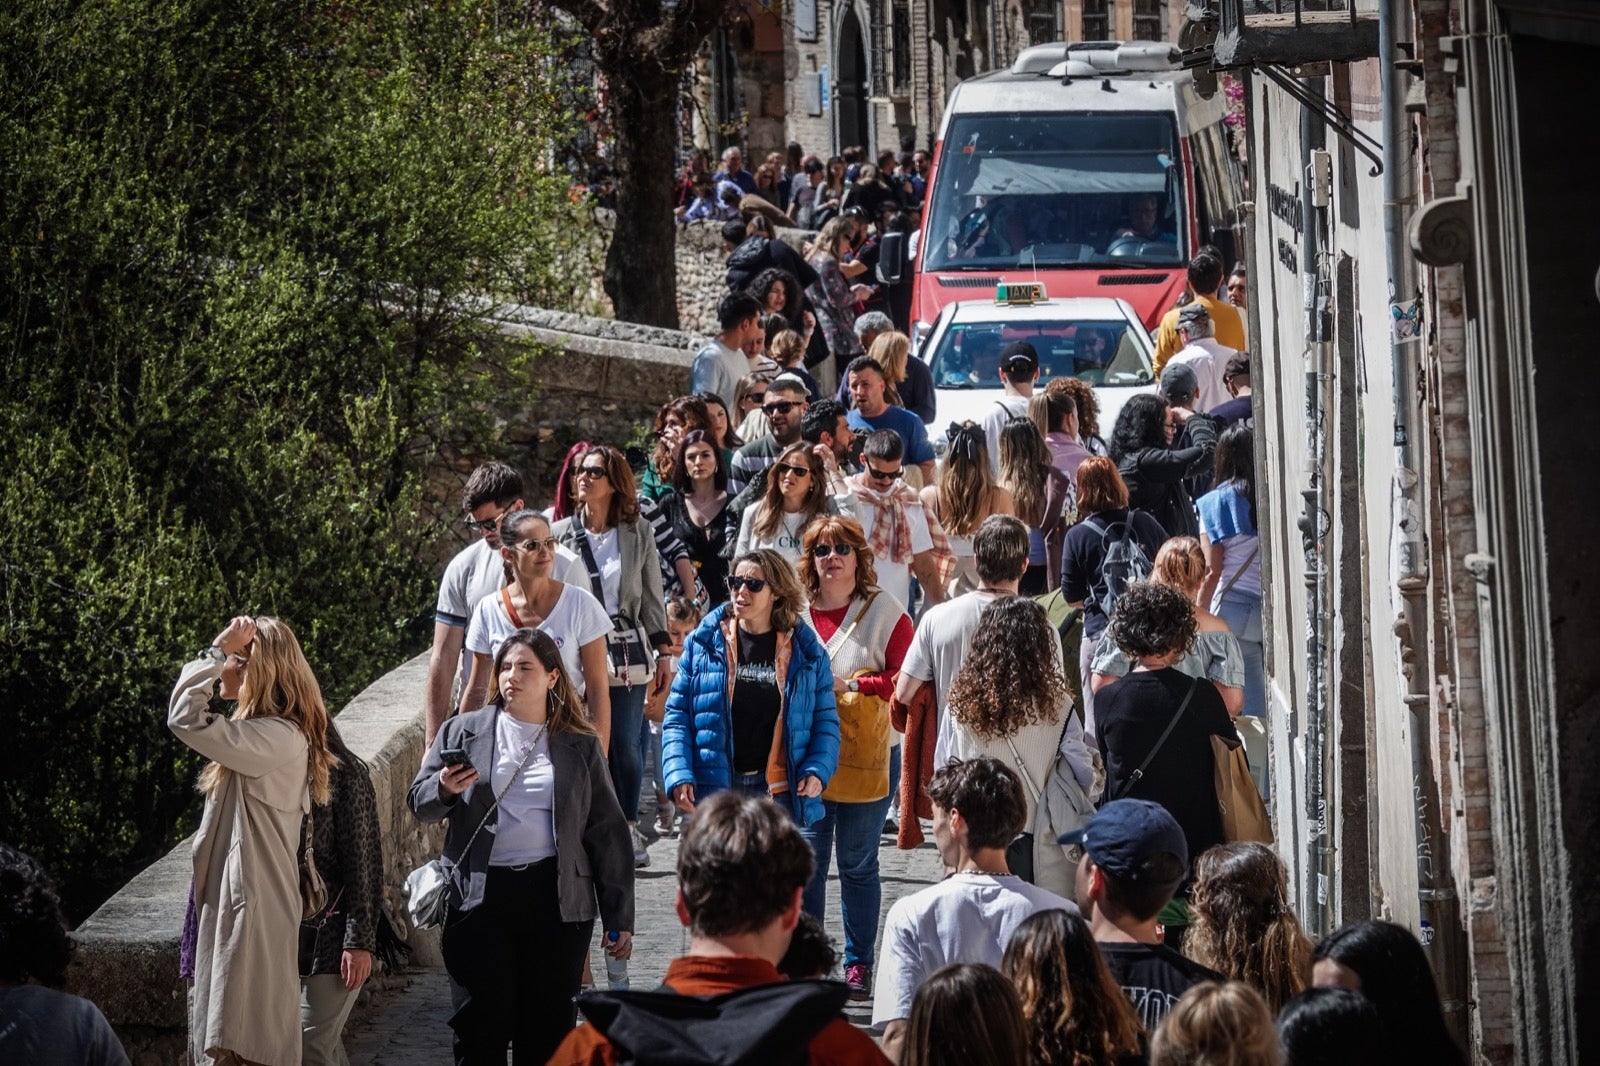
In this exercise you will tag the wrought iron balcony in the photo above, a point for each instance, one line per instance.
(1229, 34)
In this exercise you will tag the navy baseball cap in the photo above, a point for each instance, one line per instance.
(1124, 835)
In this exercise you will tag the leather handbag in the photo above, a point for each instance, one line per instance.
(628, 658)
(1244, 816)
(427, 887)
(862, 775)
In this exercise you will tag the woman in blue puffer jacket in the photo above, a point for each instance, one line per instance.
(752, 705)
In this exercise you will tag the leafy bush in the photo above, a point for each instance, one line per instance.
(251, 258)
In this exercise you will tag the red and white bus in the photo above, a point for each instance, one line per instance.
(1094, 167)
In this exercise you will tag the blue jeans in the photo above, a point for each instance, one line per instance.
(855, 829)
(626, 758)
(1242, 612)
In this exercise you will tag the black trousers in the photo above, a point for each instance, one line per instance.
(519, 966)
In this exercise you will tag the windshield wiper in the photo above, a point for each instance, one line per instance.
(957, 385)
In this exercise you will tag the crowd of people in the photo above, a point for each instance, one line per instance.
(794, 631)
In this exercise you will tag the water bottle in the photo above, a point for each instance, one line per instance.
(616, 969)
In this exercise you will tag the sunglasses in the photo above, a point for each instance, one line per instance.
(738, 581)
(548, 545)
(488, 525)
(822, 551)
(885, 475)
(797, 471)
(591, 471)
(779, 407)
(758, 398)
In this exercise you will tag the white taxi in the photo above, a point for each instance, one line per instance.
(1096, 339)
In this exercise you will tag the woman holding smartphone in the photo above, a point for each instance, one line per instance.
(539, 848)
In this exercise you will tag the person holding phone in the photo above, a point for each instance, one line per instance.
(539, 848)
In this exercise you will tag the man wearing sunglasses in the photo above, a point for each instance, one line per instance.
(784, 406)
(493, 491)
(894, 522)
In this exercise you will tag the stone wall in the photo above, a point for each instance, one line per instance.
(127, 959)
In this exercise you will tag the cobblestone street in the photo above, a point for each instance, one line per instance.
(412, 1028)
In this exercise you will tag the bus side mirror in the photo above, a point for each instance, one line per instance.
(891, 258)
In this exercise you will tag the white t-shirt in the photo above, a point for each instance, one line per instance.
(1004, 410)
(575, 620)
(608, 558)
(786, 541)
(478, 570)
(967, 917)
(939, 647)
(1208, 358)
(895, 578)
(525, 827)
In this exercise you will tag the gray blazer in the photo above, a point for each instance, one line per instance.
(640, 594)
(594, 853)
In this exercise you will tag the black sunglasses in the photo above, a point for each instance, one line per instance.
(739, 581)
(885, 475)
(779, 407)
(822, 551)
(797, 471)
(758, 398)
(488, 525)
(591, 471)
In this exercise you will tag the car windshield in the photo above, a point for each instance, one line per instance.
(1102, 353)
(1057, 191)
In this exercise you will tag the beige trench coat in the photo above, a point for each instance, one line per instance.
(246, 997)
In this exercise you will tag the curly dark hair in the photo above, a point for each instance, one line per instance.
(762, 284)
(34, 945)
(1142, 423)
(1152, 620)
(1010, 677)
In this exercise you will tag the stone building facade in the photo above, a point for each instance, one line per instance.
(1422, 295)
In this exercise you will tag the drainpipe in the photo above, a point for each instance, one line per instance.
(1438, 904)
(1314, 521)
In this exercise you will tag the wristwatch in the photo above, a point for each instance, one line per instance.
(852, 685)
(215, 654)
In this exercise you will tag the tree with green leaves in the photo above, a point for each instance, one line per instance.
(252, 257)
(641, 50)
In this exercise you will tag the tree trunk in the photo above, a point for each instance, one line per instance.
(641, 274)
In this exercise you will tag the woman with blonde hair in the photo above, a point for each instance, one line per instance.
(866, 633)
(1214, 655)
(1240, 923)
(833, 298)
(539, 848)
(965, 494)
(1076, 1012)
(797, 492)
(269, 762)
(1039, 495)
(1217, 1024)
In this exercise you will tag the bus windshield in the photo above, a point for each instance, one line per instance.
(1057, 190)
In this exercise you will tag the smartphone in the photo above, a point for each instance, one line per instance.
(454, 757)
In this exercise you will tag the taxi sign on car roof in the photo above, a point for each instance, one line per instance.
(1021, 293)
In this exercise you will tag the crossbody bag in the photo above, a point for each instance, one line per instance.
(627, 645)
(1138, 775)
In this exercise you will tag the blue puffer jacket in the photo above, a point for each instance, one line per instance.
(696, 734)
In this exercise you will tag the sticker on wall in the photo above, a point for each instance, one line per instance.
(1405, 320)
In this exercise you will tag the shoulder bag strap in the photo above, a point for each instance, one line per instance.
(1022, 770)
(1161, 740)
(523, 765)
(511, 612)
(581, 535)
(1242, 568)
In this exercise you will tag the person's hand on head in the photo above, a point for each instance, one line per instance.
(237, 635)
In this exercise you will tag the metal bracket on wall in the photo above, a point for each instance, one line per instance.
(1336, 120)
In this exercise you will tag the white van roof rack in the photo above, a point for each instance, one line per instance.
(1102, 57)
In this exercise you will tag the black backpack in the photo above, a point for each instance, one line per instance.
(765, 1025)
(1122, 562)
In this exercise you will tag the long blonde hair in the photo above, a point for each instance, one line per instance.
(1024, 465)
(966, 488)
(891, 350)
(278, 683)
